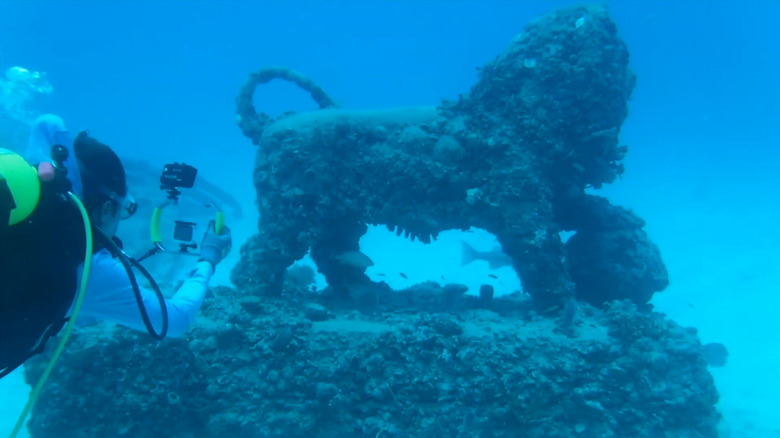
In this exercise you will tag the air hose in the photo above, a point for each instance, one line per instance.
(36, 391)
(128, 263)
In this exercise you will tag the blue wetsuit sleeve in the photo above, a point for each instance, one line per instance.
(110, 297)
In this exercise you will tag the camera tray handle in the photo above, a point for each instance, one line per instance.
(156, 233)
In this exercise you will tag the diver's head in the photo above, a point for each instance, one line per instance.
(104, 193)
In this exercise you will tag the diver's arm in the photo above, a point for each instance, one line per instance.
(187, 300)
(110, 297)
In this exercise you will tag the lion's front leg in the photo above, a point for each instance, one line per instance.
(266, 256)
(538, 254)
(337, 255)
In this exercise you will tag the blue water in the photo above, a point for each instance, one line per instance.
(158, 79)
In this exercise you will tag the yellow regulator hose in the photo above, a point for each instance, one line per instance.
(69, 327)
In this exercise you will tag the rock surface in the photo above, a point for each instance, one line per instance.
(428, 361)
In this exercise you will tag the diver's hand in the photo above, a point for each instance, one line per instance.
(215, 246)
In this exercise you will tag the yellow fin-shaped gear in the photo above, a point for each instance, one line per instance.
(23, 182)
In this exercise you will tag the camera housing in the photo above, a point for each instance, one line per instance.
(183, 231)
(178, 175)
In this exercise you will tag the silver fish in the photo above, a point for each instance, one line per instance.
(495, 257)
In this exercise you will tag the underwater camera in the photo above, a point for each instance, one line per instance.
(177, 176)
(183, 231)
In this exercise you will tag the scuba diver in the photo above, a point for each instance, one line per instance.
(59, 254)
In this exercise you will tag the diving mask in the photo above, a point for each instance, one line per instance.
(127, 204)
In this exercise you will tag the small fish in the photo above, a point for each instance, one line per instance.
(355, 259)
(492, 276)
(495, 257)
(403, 275)
(380, 275)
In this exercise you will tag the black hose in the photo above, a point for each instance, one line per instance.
(128, 264)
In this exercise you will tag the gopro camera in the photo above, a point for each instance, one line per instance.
(178, 175)
(183, 231)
